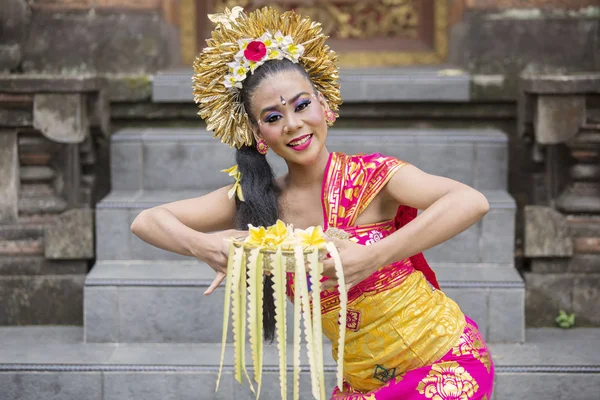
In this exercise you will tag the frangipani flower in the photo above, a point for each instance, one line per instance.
(312, 237)
(293, 51)
(256, 235)
(231, 81)
(274, 54)
(267, 39)
(283, 40)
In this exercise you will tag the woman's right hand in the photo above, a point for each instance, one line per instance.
(214, 250)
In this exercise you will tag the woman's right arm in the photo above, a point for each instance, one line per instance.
(194, 227)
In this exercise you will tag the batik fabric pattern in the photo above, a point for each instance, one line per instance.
(405, 339)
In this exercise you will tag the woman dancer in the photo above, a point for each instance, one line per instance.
(268, 82)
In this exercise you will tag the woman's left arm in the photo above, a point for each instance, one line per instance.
(449, 207)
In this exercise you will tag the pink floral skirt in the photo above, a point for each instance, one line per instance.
(465, 372)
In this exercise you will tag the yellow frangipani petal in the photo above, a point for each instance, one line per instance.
(311, 237)
(256, 236)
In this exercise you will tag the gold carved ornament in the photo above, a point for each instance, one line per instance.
(373, 19)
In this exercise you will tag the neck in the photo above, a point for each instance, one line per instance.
(308, 175)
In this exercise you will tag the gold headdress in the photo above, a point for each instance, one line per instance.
(220, 69)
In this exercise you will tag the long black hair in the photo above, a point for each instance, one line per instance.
(261, 194)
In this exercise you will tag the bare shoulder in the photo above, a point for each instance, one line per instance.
(211, 212)
(413, 187)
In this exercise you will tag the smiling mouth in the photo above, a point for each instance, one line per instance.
(300, 141)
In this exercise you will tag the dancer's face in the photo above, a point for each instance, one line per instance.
(290, 117)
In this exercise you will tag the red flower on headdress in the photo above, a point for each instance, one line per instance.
(255, 51)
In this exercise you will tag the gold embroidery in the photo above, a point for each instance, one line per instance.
(353, 320)
(472, 343)
(393, 337)
(448, 380)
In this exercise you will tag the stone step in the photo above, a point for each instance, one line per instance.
(163, 301)
(53, 363)
(53, 299)
(39, 265)
(182, 159)
(491, 240)
(23, 247)
(36, 174)
(49, 204)
(21, 232)
(36, 189)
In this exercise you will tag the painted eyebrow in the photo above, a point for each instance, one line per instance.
(293, 99)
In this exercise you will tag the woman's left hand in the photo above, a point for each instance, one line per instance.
(358, 262)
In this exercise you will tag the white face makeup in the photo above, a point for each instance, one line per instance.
(290, 117)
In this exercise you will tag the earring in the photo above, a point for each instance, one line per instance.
(330, 117)
(262, 147)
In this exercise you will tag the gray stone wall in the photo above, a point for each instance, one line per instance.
(499, 45)
(85, 41)
(15, 18)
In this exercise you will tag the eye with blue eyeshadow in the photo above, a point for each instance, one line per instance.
(302, 104)
(274, 117)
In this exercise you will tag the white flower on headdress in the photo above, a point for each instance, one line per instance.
(268, 40)
(231, 81)
(254, 64)
(243, 43)
(293, 51)
(239, 72)
(283, 40)
(274, 54)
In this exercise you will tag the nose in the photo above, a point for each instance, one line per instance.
(294, 122)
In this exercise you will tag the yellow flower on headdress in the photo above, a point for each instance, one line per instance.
(237, 185)
(313, 236)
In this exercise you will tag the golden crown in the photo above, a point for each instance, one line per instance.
(222, 66)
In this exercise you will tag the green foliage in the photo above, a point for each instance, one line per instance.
(565, 320)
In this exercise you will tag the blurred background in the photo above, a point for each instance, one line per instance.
(97, 122)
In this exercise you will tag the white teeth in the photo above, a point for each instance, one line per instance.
(301, 141)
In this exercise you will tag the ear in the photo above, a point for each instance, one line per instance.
(322, 101)
(256, 132)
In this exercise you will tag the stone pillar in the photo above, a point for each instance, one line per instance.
(9, 176)
(583, 194)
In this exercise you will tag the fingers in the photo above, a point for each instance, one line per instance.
(339, 244)
(215, 283)
(329, 268)
(329, 284)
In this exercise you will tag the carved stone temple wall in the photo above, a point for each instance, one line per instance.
(560, 119)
